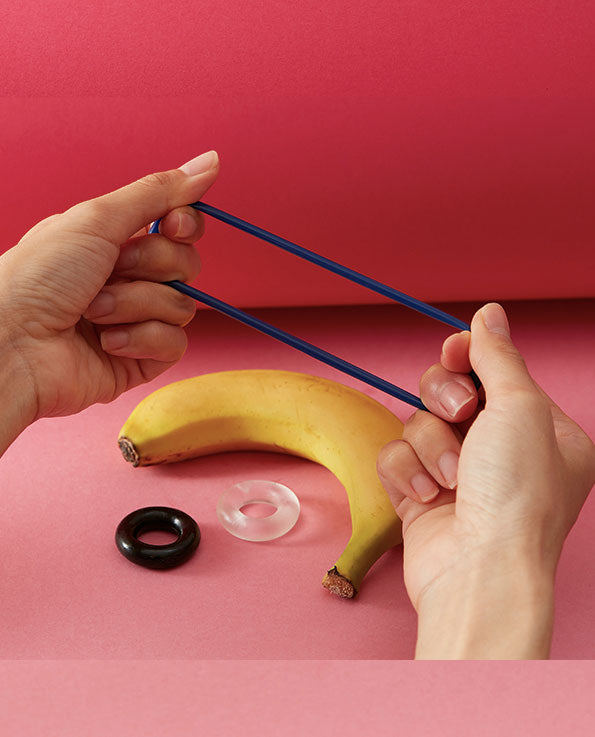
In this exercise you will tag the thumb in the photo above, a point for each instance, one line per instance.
(118, 215)
(493, 356)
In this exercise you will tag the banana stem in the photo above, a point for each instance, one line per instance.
(360, 554)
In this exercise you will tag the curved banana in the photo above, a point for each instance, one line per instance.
(285, 412)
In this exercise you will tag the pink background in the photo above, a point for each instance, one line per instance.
(156, 699)
(68, 593)
(445, 147)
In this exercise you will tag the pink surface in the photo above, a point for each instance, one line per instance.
(256, 699)
(68, 593)
(444, 147)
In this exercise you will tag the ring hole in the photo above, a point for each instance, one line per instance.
(158, 537)
(258, 509)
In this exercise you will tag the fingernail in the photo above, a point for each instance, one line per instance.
(128, 258)
(186, 225)
(495, 319)
(200, 164)
(424, 487)
(102, 305)
(112, 340)
(448, 463)
(453, 396)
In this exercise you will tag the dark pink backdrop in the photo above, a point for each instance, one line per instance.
(446, 148)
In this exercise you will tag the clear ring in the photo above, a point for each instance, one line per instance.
(258, 491)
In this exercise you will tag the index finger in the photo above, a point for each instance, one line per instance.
(117, 215)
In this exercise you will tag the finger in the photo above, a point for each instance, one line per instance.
(397, 465)
(151, 339)
(156, 258)
(436, 445)
(183, 225)
(450, 396)
(150, 368)
(119, 214)
(403, 475)
(131, 372)
(140, 301)
(494, 357)
(455, 353)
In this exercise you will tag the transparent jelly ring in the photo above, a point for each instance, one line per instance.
(258, 491)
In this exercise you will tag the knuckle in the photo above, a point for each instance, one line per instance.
(42, 224)
(417, 426)
(429, 377)
(50, 219)
(90, 214)
(510, 352)
(529, 402)
(391, 447)
(163, 342)
(160, 179)
(388, 455)
(152, 332)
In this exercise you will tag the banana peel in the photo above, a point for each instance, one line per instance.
(280, 411)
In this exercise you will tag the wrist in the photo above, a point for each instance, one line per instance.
(496, 607)
(17, 398)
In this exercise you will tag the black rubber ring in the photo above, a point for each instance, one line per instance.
(149, 519)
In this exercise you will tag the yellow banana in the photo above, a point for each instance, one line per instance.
(285, 412)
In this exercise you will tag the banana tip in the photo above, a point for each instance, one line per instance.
(338, 584)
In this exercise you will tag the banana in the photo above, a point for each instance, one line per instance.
(285, 412)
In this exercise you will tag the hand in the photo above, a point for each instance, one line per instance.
(487, 498)
(84, 316)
